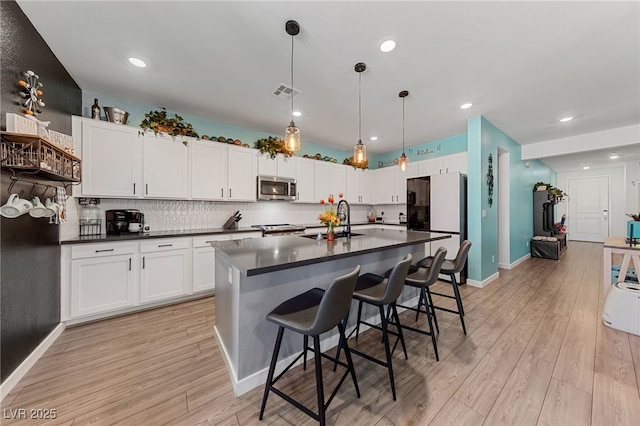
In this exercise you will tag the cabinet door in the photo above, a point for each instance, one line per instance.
(352, 193)
(455, 163)
(166, 167)
(267, 165)
(208, 170)
(430, 167)
(102, 284)
(165, 274)
(110, 160)
(384, 186)
(305, 180)
(337, 179)
(204, 262)
(286, 166)
(445, 202)
(366, 187)
(242, 168)
(322, 181)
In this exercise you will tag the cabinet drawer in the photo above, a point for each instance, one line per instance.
(205, 241)
(84, 251)
(165, 244)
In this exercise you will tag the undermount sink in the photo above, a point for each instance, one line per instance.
(324, 236)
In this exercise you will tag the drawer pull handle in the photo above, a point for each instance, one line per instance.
(165, 245)
(100, 251)
(129, 263)
(208, 242)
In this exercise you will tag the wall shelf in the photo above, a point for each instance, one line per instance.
(37, 156)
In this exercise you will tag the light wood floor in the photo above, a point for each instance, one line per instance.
(536, 353)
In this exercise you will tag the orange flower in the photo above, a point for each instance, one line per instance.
(322, 201)
(330, 199)
(340, 194)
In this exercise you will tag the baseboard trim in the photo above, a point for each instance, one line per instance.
(483, 283)
(30, 361)
(514, 264)
(259, 378)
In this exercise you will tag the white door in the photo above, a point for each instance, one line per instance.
(588, 209)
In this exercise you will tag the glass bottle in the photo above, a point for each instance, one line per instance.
(95, 110)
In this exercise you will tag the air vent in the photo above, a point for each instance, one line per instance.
(284, 92)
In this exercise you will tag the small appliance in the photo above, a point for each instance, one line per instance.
(621, 308)
(118, 221)
(276, 188)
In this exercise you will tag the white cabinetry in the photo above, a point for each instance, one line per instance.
(390, 184)
(359, 186)
(305, 180)
(241, 174)
(110, 159)
(430, 167)
(279, 166)
(103, 278)
(166, 167)
(441, 165)
(204, 262)
(166, 269)
(208, 170)
(330, 179)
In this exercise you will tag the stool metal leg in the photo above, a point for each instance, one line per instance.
(400, 336)
(456, 291)
(387, 350)
(272, 368)
(433, 335)
(305, 345)
(431, 308)
(358, 322)
(343, 338)
(319, 386)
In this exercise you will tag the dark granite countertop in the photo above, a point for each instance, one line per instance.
(261, 255)
(157, 234)
(187, 233)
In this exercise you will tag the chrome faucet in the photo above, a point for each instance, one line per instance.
(345, 213)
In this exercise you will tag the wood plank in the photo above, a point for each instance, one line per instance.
(576, 358)
(614, 403)
(565, 405)
(634, 342)
(613, 356)
(520, 401)
(455, 413)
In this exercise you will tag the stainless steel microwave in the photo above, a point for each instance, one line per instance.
(276, 188)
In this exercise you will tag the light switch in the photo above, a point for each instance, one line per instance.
(484, 212)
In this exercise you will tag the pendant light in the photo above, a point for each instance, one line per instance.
(292, 133)
(403, 161)
(360, 151)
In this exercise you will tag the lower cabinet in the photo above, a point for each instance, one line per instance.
(165, 269)
(204, 262)
(102, 284)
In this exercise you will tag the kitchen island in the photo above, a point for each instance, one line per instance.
(255, 275)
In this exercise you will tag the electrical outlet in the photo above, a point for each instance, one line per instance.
(493, 258)
(527, 243)
(230, 275)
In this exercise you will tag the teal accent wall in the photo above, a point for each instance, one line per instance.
(202, 125)
(424, 151)
(484, 139)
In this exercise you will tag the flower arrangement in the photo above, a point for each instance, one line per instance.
(329, 217)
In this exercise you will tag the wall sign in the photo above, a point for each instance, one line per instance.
(490, 180)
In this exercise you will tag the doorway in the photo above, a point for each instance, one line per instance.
(504, 248)
(588, 209)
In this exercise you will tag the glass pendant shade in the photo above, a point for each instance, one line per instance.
(403, 162)
(359, 153)
(292, 138)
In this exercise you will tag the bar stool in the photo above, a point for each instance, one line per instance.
(311, 314)
(422, 278)
(451, 268)
(380, 291)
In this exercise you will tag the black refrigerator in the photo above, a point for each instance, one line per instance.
(438, 203)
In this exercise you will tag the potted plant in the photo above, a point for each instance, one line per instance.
(349, 162)
(272, 146)
(158, 122)
(557, 193)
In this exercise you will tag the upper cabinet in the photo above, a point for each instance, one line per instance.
(165, 167)
(390, 184)
(241, 174)
(208, 170)
(441, 165)
(330, 179)
(281, 165)
(305, 179)
(105, 148)
(359, 186)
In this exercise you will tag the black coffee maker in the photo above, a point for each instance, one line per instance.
(118, 221)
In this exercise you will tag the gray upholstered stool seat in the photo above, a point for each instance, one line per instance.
(312, 313)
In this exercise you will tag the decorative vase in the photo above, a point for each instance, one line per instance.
(331, 235)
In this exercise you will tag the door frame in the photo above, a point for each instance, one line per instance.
(504, 205)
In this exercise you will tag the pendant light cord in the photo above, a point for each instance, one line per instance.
(292, 89)
(360, 107)
(402, 126)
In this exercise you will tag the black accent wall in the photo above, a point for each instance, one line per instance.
(29, 248)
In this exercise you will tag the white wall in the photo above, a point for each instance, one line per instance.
(632, 180)
(618, 190)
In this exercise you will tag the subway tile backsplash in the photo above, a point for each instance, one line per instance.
(170, 215)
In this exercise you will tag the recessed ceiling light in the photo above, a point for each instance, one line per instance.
(614, 155)
(137, 62)
(373, 138)
(467, 105)
(564, 120)
(387, 46)
(586, 168)
(297, 113)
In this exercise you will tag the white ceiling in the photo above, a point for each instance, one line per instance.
(524, 65)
